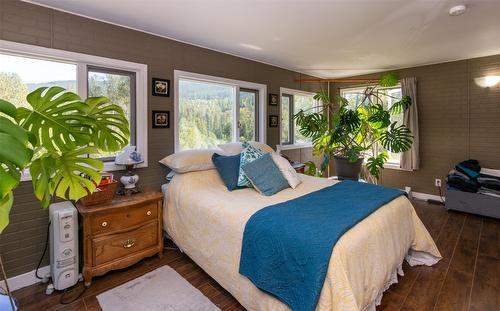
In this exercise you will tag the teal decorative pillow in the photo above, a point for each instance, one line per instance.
(265, 175)
(248, 154)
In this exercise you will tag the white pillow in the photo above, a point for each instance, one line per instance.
(287, 170)
(235, 148)
(190, 160)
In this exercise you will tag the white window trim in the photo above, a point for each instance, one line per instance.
(82, 61)
(262, 110)
(284, 90)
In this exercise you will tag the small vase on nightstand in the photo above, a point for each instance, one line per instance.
(129, 179)
(129, 157)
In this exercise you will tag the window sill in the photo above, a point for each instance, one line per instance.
(393, 166)
(295, 146)
(108, 167)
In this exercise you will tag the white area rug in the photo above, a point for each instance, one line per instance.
(160, 290)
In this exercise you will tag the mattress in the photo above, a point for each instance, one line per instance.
(207, 222)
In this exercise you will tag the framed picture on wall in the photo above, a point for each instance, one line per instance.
(161, 87)
(161, 119)
(273, 121)
(273, 99)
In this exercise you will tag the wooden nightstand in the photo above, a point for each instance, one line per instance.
(299, 167)
(119, 234)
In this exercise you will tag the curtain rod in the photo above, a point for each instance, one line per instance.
(346, 80)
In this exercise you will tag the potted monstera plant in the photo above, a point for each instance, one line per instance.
(55, 139)
(354, 132)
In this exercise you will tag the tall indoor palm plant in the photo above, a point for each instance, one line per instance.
(349, 132)
(55, 139)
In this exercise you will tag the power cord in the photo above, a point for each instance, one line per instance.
(441, 195)
(61, 300)
(43, 254)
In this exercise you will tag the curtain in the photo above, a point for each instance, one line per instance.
(410, 160)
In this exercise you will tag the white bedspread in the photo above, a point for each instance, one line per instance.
(206, 221)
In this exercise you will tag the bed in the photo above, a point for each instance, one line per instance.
(207, 222)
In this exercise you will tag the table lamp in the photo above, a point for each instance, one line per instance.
(129, 157)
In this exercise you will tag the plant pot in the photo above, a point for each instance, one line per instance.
(347, 169)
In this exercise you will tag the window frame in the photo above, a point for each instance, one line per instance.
(133, 102)
(256, 112)
(291, 143)
(83, 62)
(390, 165)
(239, 85)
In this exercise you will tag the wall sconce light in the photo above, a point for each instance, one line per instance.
(487, 81)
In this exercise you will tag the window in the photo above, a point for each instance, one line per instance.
(211, 111)
(387, 97)
(24, 68)
(21, 75)
(119, 87)
(292, 102)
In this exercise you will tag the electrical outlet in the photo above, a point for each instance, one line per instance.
(437, 182)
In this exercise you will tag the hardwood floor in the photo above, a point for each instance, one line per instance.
(468, 277)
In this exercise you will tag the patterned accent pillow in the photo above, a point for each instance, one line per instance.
(248, 154)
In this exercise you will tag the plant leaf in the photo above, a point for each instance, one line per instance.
(42, 171)
(111, 131)
(310, 168)
(58, 119)
(389, 79)
(396, 138)
(401, 105)
(5, 206)
(14, 154)
(312, 125)
(7, 108)
(379, 117)
(67, 182)
(322, 96)
(376, 164)
(16, 139)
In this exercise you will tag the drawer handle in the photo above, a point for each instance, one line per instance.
(148, 213)
(104, 223)
(128, 243)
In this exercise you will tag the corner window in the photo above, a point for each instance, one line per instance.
(292, 102)
(211, 111)
(386, 97)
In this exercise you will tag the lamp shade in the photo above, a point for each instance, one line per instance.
(487, 81)
(129, 156)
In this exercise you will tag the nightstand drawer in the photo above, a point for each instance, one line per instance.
(123, 219)
(108, 248)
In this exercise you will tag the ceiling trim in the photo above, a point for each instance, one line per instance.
(164, 37)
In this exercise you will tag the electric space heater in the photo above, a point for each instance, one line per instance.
(63, 245)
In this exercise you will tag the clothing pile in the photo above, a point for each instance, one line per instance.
(468, 176)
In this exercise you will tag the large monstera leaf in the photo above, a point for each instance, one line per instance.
(12, 159)
(379, 117)
(401, 105)
(312, 125)
(396, 138)
(376, 164)
(58, 119)
(111, 131)
(67, 179)
(42, 171)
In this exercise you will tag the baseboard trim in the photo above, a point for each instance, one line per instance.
(25, 279)
(425, 196)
